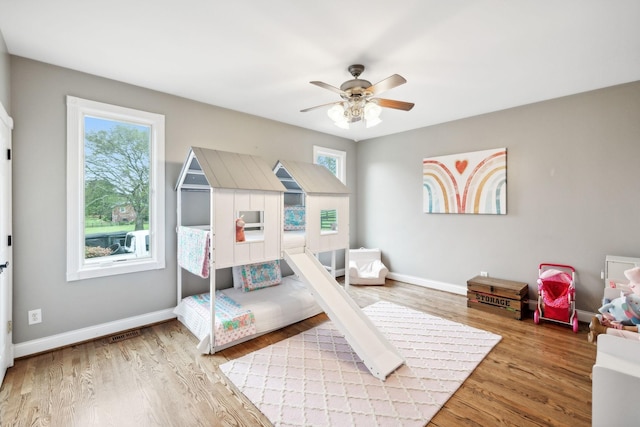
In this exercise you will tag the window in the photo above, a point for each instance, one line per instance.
(334, 160)
(115, 190)
(253, 228)
(328, 221)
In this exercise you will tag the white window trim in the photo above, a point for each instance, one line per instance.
(77, 269)
(340, 156)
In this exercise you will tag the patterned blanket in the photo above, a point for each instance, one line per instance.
(232, 321)
(193, 250)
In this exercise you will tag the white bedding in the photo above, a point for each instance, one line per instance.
(273, 308)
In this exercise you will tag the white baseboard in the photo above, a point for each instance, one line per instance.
(92, 332)
(40, 345)
(583, 316)
(426, 283)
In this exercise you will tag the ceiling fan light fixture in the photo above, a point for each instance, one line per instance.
(371, 111)
(338, 116)
(336, 113)
(358, 104)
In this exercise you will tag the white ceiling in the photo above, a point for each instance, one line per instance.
(460, 57)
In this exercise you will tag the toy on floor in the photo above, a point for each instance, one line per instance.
(556, 295)
(597, 327)
(633, 274)
(366, 268)
(620, 316)
(624, 309)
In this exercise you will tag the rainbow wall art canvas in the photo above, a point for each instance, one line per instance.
(471, 183)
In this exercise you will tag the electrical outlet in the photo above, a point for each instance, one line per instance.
(484, 274)
(35, 316)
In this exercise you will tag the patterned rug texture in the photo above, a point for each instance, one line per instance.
(316, 379)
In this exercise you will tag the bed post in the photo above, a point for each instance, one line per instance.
(347, 245)
(346, 269)
(212, 271)
(179, 223)
(333, 264)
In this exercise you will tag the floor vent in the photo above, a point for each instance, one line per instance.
(124, 336)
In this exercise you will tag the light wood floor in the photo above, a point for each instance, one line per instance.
(538, 375)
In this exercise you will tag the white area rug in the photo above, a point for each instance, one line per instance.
(316, 379)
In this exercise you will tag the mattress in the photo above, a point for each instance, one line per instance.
(273, 308)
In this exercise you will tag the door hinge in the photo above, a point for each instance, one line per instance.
(9, 240)
(9, 326)
(8, 153)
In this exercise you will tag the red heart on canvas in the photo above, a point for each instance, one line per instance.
(461, 165)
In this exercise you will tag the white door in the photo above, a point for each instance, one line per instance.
(6, 260)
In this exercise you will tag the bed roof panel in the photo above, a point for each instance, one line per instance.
(228, 170)
(314, 179)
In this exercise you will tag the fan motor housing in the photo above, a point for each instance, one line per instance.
(357, 92)
(355, 86)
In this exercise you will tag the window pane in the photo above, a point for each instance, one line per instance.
(333, 160)
(116, 186)
(328, 220)
(250, 226)
(329, 163)
(115, 190)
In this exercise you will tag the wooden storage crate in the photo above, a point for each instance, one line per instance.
(503, 297)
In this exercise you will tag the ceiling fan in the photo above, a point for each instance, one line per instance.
(358, 101)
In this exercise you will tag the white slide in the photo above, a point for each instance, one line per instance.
(377, 353)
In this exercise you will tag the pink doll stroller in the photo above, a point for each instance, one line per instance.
(556, 295)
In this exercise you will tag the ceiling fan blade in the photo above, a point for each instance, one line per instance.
(390, 103)
(386, 84)
(327, 86)
(320, 106)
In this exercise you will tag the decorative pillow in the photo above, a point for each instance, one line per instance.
(251, 277)
(294, 218)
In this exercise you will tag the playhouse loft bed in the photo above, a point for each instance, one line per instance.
(238, 185)
(214, 189)
(316, 207)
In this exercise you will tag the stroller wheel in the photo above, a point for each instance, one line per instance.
(536, 316)
(575, 324)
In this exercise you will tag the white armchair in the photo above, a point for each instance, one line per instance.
(366, 268)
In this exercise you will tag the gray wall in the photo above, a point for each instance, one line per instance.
(573, 193)
(4, 74)
(39, 140)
